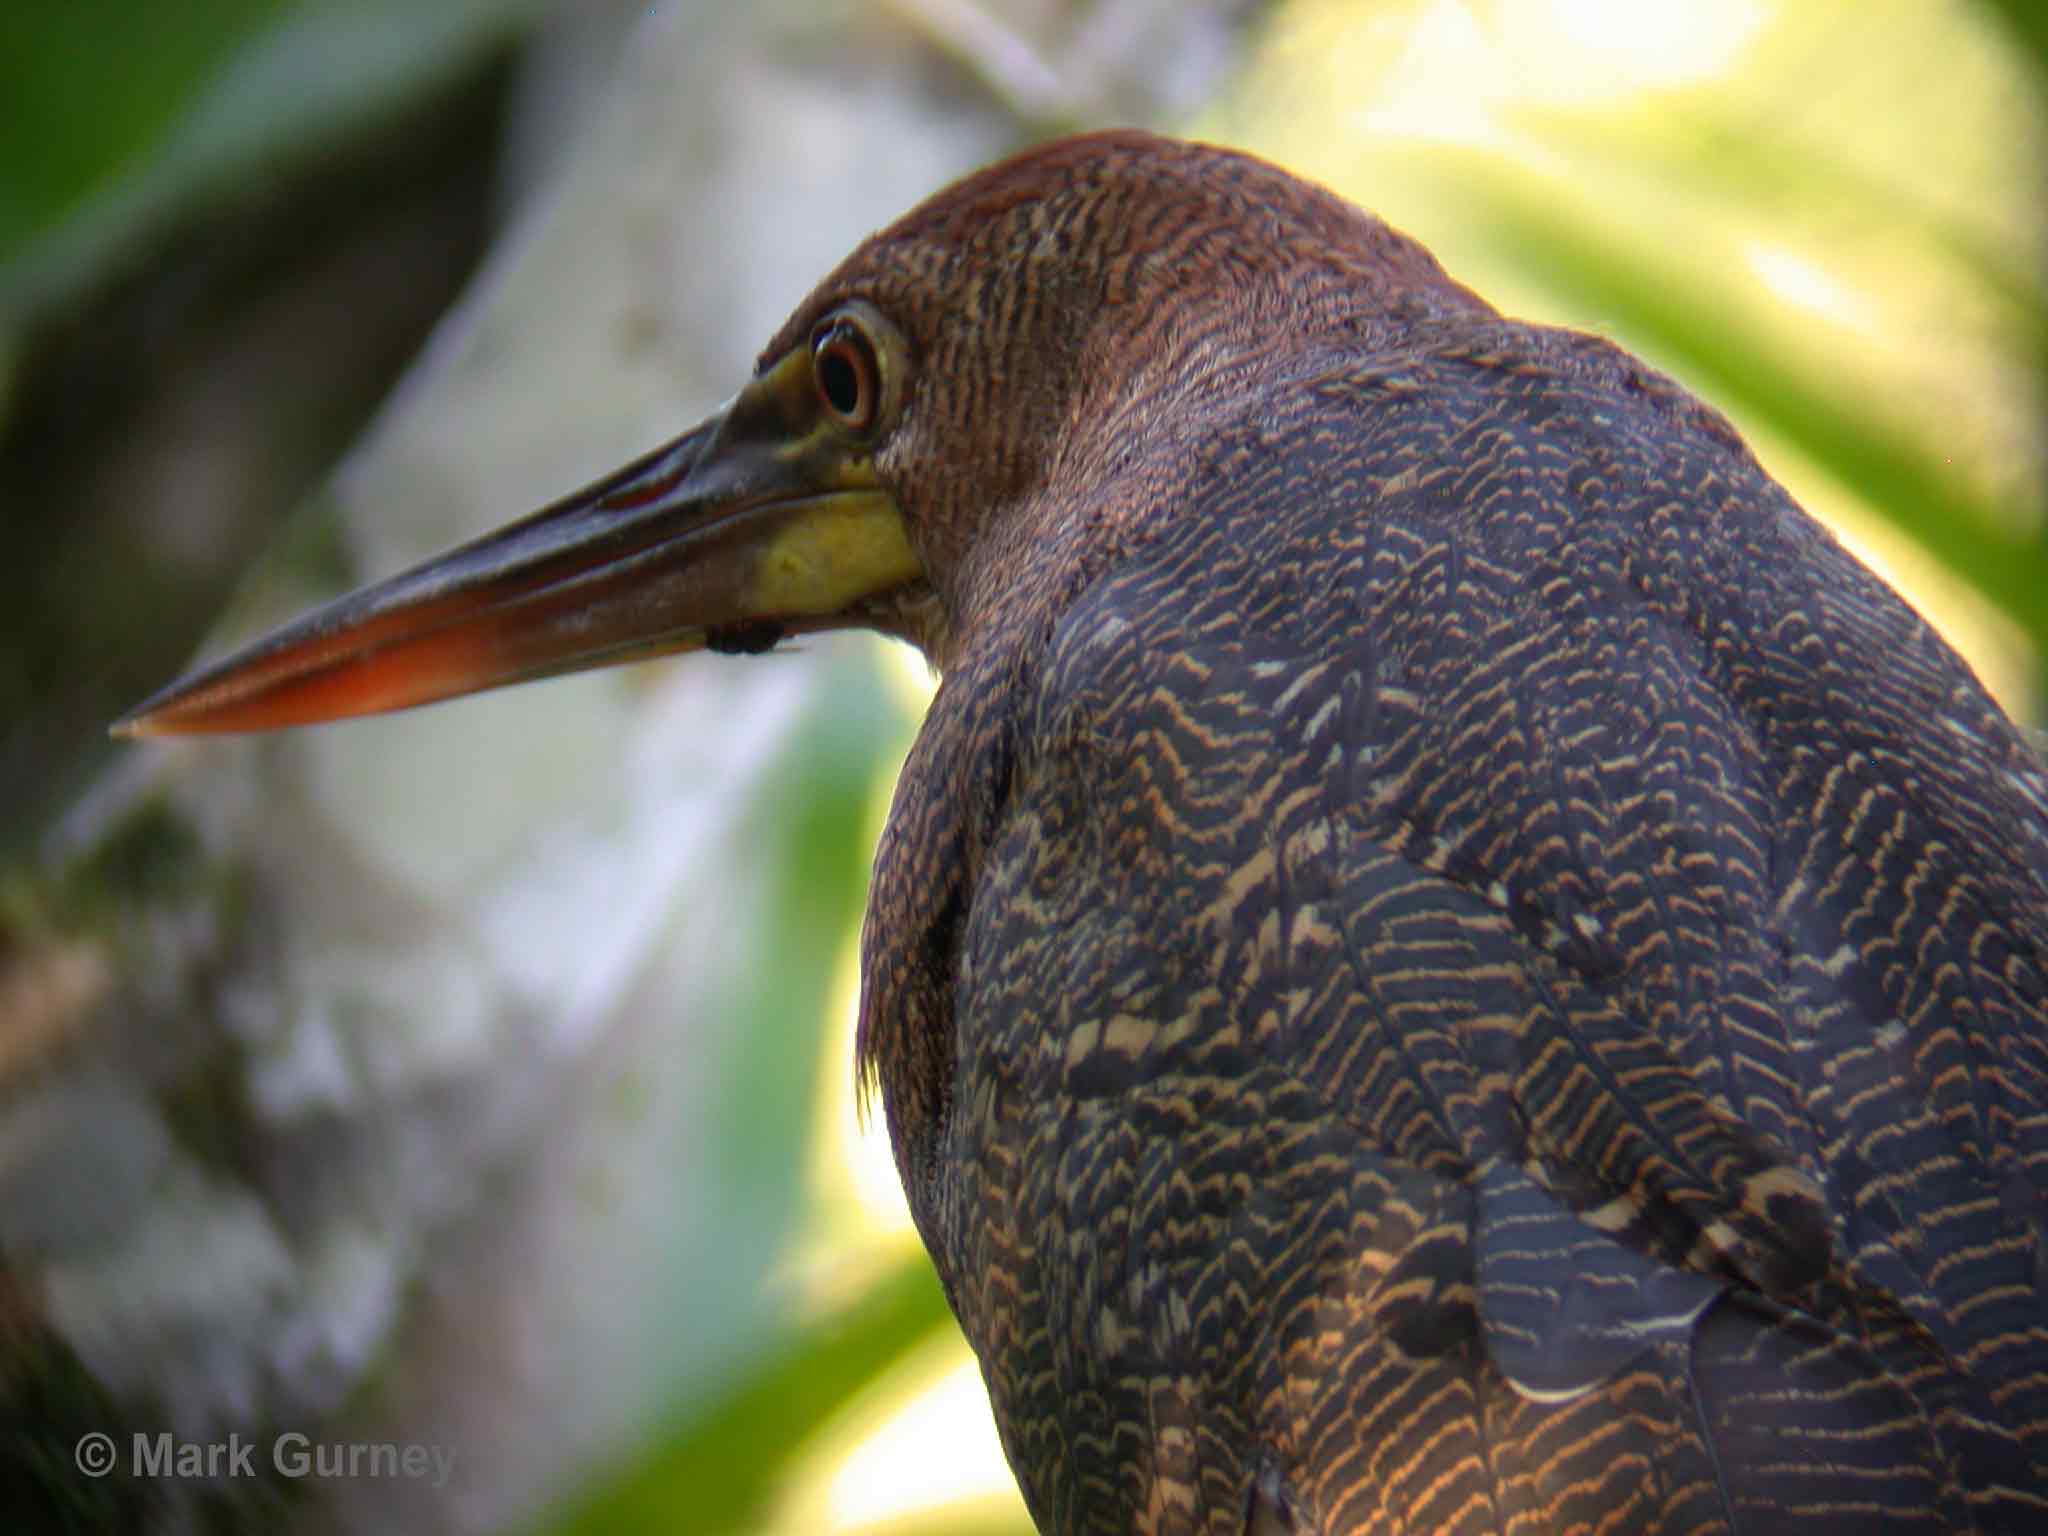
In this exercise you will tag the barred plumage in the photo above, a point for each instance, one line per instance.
(1445, 959)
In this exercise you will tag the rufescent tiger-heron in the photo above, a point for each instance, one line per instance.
(1445, 960)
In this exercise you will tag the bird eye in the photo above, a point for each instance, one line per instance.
(848, 377)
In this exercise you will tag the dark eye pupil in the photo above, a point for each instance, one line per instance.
(840, 380)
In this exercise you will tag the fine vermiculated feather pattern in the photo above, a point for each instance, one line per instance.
(1496, 984)
(1444, 960)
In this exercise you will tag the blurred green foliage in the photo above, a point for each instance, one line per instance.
(92, 87)
(721, 1469)
(125, 124)
(2028, 20)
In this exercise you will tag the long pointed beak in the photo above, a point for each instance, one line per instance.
(757, 523)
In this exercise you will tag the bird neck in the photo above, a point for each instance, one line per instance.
(1119, 467)
(1132, 463)
(950, 798)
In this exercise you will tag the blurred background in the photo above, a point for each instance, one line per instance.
(482, 1079)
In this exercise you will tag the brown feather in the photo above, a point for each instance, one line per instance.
(1445, 960)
